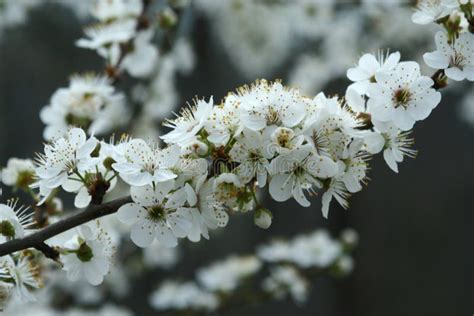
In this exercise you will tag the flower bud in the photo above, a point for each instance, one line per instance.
(344, 265)
(349, 238)
(263, 218)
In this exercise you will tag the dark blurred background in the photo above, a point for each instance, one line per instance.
(416, 252)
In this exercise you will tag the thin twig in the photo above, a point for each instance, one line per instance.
(36, 240)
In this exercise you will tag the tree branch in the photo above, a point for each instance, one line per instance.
(36, 240)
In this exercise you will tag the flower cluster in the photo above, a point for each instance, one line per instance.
(263, 134)
(454, 53)
(121, 38)
(90, 102)
(217, 156)
(279, 269)
(429, 11)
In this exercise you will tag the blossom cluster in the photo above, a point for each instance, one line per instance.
(90, 102)
(455, 42)
(279, 269)
(120, 38)
(218, 155)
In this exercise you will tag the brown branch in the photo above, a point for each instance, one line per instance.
(36, 240)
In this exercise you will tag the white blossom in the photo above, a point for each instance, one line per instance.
(14, 222)
(18, 172)
(364, 73)
(106, 38)
(151, 217)
(62, 158)
(145, 165)
(431, 10)
(141, 61)
(90, 102)
(299, 170)
(402, 96)
(189, 123)
(88, 254)
(266, 104)
(457, 59)
(23, 273)
(253, 153)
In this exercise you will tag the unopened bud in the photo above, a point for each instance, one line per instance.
(350, 238)
(263, 218)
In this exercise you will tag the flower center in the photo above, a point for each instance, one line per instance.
(272, 117)
(401, 98)
(284, 138)
(458, 60)
(156, 213)
(7, 229)
(254, 156)
(84, 253)
(299, 171)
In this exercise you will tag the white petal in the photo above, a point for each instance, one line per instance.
(390, 160)
(82, 198)
(137, 179)
(281, 187)
(143, 233)
(77, 136)
(145, 195)
(469, 72)
(166, 237)
(326, 201)
(299, 196)
(128, 213)
(455, 74)
(436, 60)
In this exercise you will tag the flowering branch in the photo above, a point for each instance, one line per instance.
(265, 135)
(36, 240)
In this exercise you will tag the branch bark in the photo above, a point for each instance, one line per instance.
(36, 240)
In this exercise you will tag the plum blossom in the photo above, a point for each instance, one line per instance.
(62, 158)
(90, 102)
(88, 255)
(150, 216)
(265, 104)
(23, 273)
(145, 165)
(18, 172)
(457, 59)
(253, 153)
(431, 10)
(141, 61)
(189, 123)
(299, 170)
(402, 96)
(15, 222)
(364, 73)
